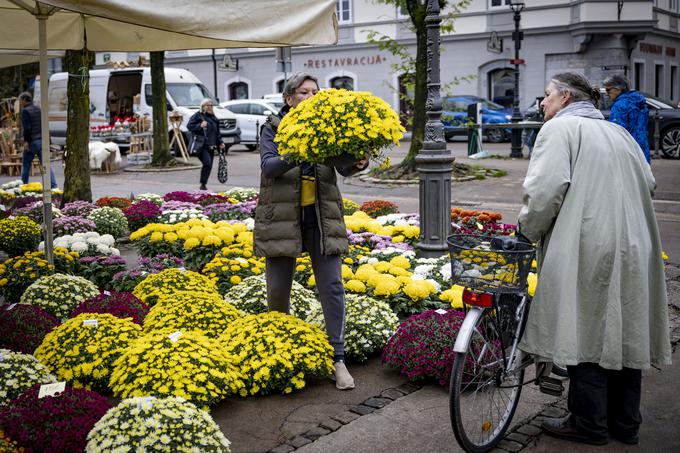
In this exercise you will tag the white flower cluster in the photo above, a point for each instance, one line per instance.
(152, 197)
(250, 296)
(109, 220)
(249, 223)
(172, 216)
(399, 219)
(241, 193)
(18, 373)
(369, 324)
(12, 187)
(59, 294)
(156, 424)
(387, 254)
(86, 244)
(436, 270)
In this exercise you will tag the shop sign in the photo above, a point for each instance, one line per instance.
(670, 51)
(343, 61)
(228, 64)
(655, 49)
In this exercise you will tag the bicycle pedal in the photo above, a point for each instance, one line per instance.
(550, 386)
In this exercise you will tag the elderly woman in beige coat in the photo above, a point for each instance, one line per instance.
(600, 305)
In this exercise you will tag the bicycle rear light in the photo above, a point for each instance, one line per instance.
(484, 300)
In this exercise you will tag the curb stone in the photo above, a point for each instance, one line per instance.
(335, 422)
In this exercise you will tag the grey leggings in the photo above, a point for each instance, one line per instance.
(328, 275)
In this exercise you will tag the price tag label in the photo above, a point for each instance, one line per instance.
(480, 226)
(441, 311)
(144, 273)
(51, 389)
(175, 336)
(9, 307)
(107, 293)
(91, 322)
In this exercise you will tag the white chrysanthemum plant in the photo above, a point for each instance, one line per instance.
(13, 187)
(18, 373)
(152, 197)
(399, 219)
(90, 243)
(172, 216)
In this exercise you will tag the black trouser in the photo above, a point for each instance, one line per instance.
(603, 401)
(328, 276)
(206, 157)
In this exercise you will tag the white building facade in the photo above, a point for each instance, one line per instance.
(639, 38)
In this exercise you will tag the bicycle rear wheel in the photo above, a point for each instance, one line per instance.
(482, 397)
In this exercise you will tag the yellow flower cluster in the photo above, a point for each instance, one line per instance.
(335, 122)
(233, 264)
(453, 295)
(17, 273)
(19, 235)
(185, 364)
(360, 222)
(31, 187)
(277, 352)
(191, 310)
(169, 281)
(82, 350)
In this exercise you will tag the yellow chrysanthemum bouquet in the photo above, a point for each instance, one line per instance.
(350, 125)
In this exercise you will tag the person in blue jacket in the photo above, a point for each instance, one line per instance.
(32, 133)
(628, 110)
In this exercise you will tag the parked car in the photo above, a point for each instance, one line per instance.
(251, 115)
(669, 121)
(455, 117)
(275, 99)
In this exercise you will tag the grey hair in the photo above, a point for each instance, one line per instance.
(295, 81)
(206, 101)
(26, 96)
(578, 86)
(617, 81)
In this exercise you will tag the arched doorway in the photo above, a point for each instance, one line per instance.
(238, 90)
(502, 86)
(343, 82)
(406, 93)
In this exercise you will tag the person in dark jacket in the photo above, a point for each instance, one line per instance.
(30, 125)
(628, 110)
(300, 209)
(204, 125)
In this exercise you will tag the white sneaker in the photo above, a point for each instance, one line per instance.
(343, 380)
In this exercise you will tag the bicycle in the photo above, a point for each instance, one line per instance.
(488, 371)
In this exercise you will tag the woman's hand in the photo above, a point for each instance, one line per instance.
(362, 164)
(204, 124)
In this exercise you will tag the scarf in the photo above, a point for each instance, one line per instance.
(584, 109)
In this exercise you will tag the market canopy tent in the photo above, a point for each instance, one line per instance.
(10, 58)
(151, 25)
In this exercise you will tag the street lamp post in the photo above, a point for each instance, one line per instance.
(517, 36)
(434, 160)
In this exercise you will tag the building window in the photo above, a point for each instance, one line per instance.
(499, 3)
(343, 9)
(674, 82)
(674, 5)
(502, 86)
(238, 90)
(639, 76)
(346, 83)
(658, 80)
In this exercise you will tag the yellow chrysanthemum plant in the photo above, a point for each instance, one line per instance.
(196, 241)
(232, 265)
(82, 350)
(176, 363)
(156, 424)
(277, 352)
(169, 281)
(337, 122)
(191, 310)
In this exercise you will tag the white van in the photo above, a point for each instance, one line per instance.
(123, 92)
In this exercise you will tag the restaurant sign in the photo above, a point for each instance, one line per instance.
(320, 63)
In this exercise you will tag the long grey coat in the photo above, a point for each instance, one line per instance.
(601, 294)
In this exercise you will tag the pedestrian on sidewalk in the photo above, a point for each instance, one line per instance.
(31, 126)
(628, 110)
(600, 305)
(300, 209)
(206, 129)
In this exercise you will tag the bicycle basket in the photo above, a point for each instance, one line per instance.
(490, 264)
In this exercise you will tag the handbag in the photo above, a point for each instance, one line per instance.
(197, 141)
(222, 168)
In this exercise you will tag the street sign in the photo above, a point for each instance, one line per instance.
(517, 61)
(494, 44)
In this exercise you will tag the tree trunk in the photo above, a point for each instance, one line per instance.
(77, 171)
(419, 95)
(161, 146)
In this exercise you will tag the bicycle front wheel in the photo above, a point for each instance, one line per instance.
(483, 397)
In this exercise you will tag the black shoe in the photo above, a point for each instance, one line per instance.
(631, 439)
(563, 428)
(203, 187)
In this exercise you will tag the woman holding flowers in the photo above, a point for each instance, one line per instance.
(600, 304)
(300, 209)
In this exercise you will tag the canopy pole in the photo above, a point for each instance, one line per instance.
(45, 135)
